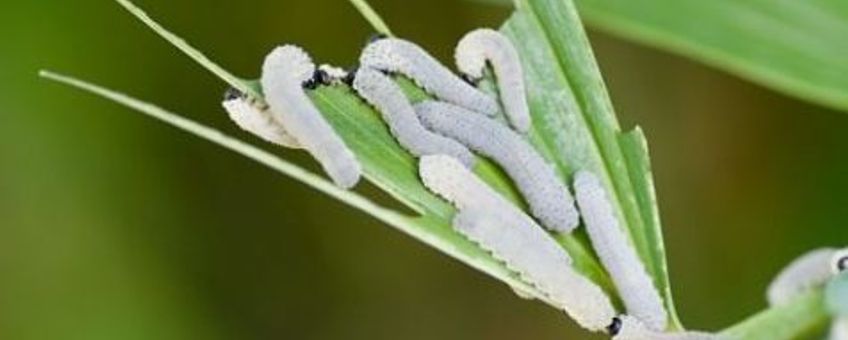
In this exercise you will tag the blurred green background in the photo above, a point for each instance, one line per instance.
(114, 226)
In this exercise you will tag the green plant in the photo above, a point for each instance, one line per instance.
(795, 47)
(580, 131)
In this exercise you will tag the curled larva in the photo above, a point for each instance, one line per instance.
(283, 74)
(254, 117)
(404, 57)
(631, 328)
(487, 45)
(536, 179)
(809, 271)
(397, 111)
(496, 225)
(839, 261)
(619, 257)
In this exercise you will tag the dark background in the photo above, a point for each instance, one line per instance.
(114, 226)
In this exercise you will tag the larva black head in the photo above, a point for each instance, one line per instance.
(842, 263)
(351, 75)
(470, 80)
(319, 77)
(615, 327)
(232, 93)
(375, 37)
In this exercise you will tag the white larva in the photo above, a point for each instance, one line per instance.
(254, 117)
(283, 73)
(839, 261)
(404, 57)
(398, 113)
(633, 329)
(498, 226)
(536, 179)
(839, 329)
(335, 73)
(809, 271)
(619, 257)
(480, 46)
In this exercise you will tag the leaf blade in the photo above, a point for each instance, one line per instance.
(795, 47)
(582, 112)
(431, 230)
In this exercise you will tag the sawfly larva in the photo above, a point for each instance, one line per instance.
(536, 179)
(808, 271)
(253, 117)
(511, 236)
(284, 72)
(619, 257)
(397, 111)
(401, 56)
(480, 46)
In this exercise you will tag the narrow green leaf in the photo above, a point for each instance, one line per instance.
(801, 318)
(574, 127)
(392, 169)
(575, 124)
(796, 47)
(431, 229)
(635, 148)
(371, 15)
(238, 83)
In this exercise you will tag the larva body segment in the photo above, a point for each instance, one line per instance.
(808, 271)
(619, 257)
(397, 111)
(254, 118)
(283, 73)
(401, 56)
(514, 238)
(547, 196)
(487, 45)
(633, 329)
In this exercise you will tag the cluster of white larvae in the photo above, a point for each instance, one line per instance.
(444, 134)
(813, 270)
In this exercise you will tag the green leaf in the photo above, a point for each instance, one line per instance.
(574, 127)
(575, 123)
(373, 18)
(384, 162)
(431, 229)
(795, 47)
